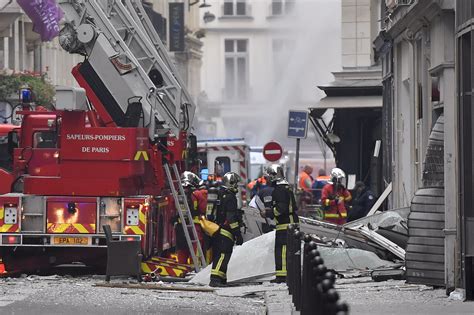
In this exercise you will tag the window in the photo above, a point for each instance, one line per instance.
(236, 69)
(44, 139)
(277, 7)
(222, 165)
(280, 7)
(235, 7)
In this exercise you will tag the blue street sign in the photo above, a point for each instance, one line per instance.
(297, 124)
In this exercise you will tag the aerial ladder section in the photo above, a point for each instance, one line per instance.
(138, 66)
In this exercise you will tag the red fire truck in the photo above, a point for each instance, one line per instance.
(69, 172)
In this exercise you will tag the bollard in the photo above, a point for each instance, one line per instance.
(289, 258)
(310, 282)
(297, 269)
(309, 304)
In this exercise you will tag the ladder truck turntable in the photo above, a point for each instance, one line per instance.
(116, 161)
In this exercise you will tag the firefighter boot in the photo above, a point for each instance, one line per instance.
(278, 279)
(217, 282)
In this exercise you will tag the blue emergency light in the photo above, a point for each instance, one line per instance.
(26, 95)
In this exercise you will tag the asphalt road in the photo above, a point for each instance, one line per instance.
(63, 294)
(50, 295)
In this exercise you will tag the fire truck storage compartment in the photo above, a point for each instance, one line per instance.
(110, 209)
(33, 214)
(71, 215)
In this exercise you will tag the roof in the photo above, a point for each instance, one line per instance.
(202, 144)
(353, 87)
(338, 102)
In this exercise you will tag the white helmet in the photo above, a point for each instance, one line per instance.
(231, 180)
(337, 176)
(275, 172)
(190, 179)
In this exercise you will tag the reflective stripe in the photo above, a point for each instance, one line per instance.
(219, 263)
(5, 228)
(227, 234)
(281, 227)
(234, 225)
(335, 215)
(275, 211)
(291, 218)
(220, 274)
(280, 273)
(283, 258)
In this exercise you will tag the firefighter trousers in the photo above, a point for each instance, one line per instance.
(222, 246)
(280, 250)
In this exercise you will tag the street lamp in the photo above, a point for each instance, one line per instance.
(208, 17)
(202, 5)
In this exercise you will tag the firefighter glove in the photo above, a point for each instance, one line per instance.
(239, 239)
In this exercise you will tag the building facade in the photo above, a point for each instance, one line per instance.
(21, 49)
(420, 133)
(262, 58)
(355, 96)
(187, 55)
(465, 79)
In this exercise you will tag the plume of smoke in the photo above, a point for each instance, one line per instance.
(313, 31)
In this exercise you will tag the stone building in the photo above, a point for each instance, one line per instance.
(420, 133)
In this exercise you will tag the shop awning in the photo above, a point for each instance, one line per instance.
(339, 102)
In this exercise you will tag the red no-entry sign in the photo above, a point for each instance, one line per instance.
(272, 151)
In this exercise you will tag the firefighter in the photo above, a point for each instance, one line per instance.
(305, 183)
(256, 185)
(229, 218)
(284, 213)
(194, 198)
(334, 198)
(363, 201)
(265, 195)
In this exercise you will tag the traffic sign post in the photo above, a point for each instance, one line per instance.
(297, 128)
(272, 151)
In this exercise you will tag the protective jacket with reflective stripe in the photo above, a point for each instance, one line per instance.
(333, 203)
(227, 214)
(284, 206)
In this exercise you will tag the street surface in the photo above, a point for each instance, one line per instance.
(396, 297)
(41, 295)
(51, 295)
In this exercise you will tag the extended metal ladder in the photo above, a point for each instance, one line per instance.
(135, 43)
(186, 217)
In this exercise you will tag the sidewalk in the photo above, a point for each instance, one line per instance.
(367, 297)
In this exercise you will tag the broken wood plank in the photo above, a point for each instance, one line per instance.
(381, 199)
(153, 287)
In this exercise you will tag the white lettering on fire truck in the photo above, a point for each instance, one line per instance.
(95, 150)
(95, 137)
